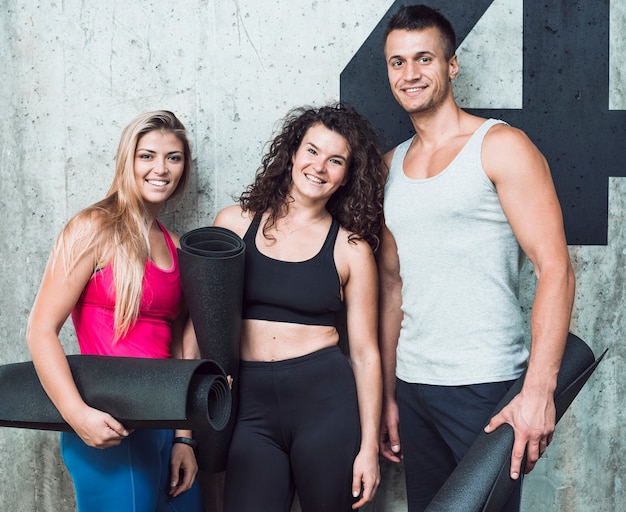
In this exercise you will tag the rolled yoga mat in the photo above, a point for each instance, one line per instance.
(481, 481)
(211, 261)
(139, 392)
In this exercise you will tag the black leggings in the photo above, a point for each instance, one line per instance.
(298, 429)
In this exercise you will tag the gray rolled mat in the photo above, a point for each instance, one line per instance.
(481, 481)
(211, 261)
(140, 393)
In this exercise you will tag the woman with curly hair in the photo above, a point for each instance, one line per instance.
(308, 416)
(114, 269)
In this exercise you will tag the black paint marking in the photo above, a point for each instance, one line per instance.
(565, 100)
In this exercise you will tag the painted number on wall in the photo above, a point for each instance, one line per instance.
(565, 104)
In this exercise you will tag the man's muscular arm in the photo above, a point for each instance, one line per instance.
(390, 317)
(526, 191)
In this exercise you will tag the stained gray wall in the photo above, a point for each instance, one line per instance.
(75, 72)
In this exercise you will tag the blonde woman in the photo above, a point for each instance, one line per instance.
(114, 269)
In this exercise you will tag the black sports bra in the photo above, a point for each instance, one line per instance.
(304, 292)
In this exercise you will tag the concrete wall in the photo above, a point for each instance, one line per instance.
(75, 72)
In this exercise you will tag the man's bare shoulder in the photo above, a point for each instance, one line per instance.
(503, 137)
(507, 149)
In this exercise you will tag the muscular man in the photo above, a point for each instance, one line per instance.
(465, 198)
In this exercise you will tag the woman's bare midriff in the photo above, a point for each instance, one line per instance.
(262, 340)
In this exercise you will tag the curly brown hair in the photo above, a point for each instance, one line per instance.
(358, 205)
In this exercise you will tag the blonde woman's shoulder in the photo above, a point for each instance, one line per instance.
(83, 226)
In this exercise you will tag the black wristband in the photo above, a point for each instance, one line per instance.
(186, 440)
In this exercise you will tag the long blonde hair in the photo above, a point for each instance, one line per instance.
(115, 229)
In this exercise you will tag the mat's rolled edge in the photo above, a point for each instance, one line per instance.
(140, 392)
(228, 243)
(209, 400)
(481, 481)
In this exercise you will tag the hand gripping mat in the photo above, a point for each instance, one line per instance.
(139, 392)
(211, 261)
(481, 481)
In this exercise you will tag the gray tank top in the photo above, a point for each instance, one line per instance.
(459, 264)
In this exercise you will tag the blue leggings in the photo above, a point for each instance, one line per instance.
(298, 429)
(438, 424)
(130, 477)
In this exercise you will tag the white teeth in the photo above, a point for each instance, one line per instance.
(157, 183)
(314, 179)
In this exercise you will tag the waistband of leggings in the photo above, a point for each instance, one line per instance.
(290, 363)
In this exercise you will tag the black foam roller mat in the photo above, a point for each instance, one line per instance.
(481, 482)
(211, 261)
(139, 392)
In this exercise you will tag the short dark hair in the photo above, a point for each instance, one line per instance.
(420, 17)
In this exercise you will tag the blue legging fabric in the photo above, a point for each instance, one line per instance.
(298, 430)
(130, 477)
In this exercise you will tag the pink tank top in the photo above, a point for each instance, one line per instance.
(151, 335)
